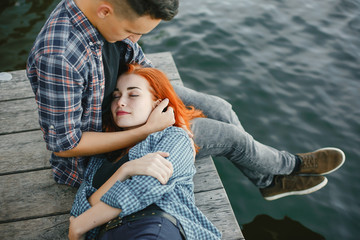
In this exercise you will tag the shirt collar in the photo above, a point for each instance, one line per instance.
(82, 23)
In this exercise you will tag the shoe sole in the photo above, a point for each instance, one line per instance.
(333, 170)
(303, 192)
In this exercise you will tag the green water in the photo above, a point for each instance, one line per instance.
(291, 70)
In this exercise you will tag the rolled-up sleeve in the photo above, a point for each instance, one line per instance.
(58, 96)
(81, 203)
(139, 192)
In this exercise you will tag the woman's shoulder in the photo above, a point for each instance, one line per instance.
(171, 132)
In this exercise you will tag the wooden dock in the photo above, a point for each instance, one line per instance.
(33, 206)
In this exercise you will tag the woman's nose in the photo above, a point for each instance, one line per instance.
(121, 102)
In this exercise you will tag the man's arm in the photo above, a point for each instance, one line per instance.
(92, 143)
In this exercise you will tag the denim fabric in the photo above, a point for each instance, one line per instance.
(156, 228)
(221, 134)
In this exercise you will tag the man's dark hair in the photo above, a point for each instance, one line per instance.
(157, 9)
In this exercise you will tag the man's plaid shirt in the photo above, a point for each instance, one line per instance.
(65, 69)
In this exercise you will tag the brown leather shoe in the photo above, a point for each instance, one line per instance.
(286, 185)
(322, 161)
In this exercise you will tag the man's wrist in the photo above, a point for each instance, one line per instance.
(145, 130)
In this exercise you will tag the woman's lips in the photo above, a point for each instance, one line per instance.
(121, 113)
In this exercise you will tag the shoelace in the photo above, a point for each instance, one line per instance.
(309, 161)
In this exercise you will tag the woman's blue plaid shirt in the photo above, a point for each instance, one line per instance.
(135, 194)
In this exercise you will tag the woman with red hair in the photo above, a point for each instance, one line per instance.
(144, 198)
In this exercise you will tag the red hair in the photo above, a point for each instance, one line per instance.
(161, 88)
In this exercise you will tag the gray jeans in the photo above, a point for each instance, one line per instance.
(221, 134)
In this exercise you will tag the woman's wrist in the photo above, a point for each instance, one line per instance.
(123, 172)
(77, 226)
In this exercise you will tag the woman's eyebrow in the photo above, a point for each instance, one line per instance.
(131, 88)
(128, 89)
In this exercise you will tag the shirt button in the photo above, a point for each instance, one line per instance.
(102, 86)
(51, 127)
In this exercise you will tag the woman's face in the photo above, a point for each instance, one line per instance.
(132, 101)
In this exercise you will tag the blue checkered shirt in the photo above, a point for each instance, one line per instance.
(135, 194)
(65, 69)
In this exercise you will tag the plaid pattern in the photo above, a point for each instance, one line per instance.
(135, 194)
(65, 69)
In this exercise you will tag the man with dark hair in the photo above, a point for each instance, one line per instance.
(73, 68)
(66, 71)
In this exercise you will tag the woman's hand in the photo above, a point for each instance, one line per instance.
(152, 164)
(160, 119)
(74, 231)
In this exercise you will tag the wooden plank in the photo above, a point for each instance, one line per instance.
(53, 227)
(165, 62)
(212, 203)
(33, 194)
(23, 152)
(18, 116)
(216, 206)
(18, 87)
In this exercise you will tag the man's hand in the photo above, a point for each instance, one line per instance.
(160, 119)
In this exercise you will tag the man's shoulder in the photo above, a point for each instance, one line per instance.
(54, 34)
(59, 36)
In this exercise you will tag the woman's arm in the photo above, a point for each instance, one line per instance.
(92, 143)
(152, 164)
(138, 192)
(96, 216)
